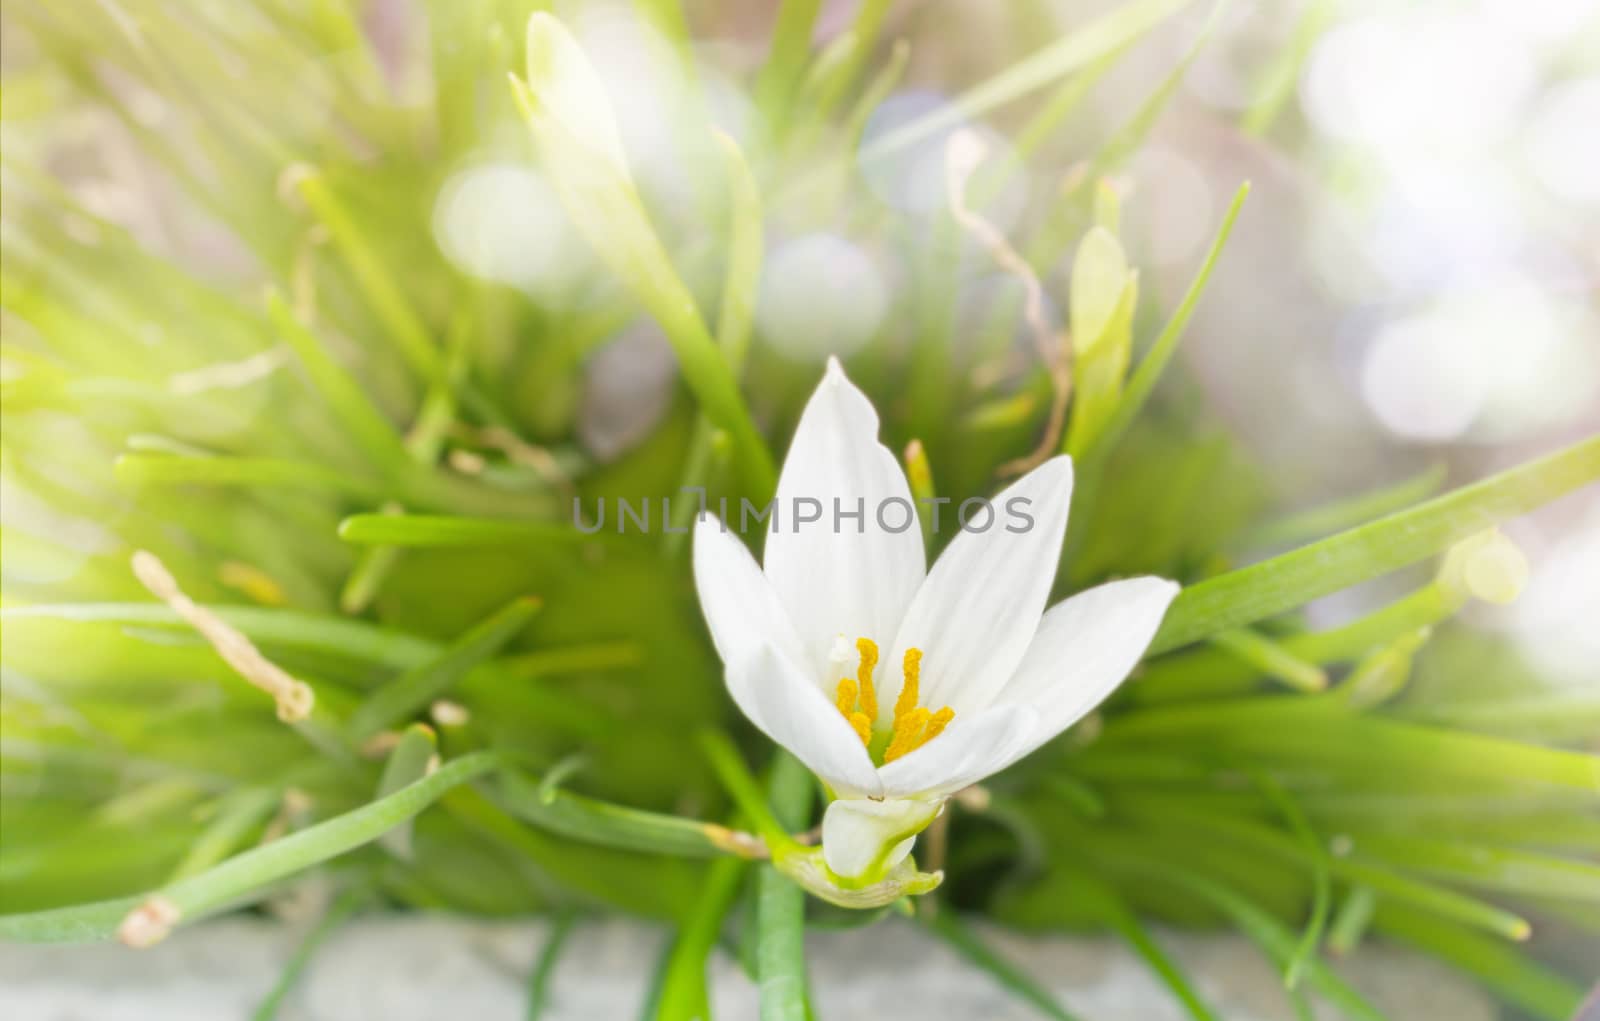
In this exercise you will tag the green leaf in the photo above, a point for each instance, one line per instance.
(684, 994)
(948, 927)
(780, 75)
(549, 956)
(254, 870)
(345, 397)
(414, 689)
(337, 914)
(270, 472)
(407, 763)
(384, 294)
(1392, 885)
(1148, 374)
(1284, 582)
(1121, 918)
(423, 530)
(566, 107)
(1061, 57)
(1325, 519)
(1271, 659)
(1509, 973)
(631, 829)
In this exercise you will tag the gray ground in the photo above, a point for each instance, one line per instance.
(400, 968)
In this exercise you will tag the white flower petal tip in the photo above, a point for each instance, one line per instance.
(861, 838)
(808, 871)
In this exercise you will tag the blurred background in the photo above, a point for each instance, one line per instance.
(1410, 301)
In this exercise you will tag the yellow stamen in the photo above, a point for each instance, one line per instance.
(913, 727)
(908, 691)
(863, 727)
(869, 660)
(907, 734)
(846, 698)
(937, 722)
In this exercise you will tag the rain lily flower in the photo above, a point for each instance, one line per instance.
(896, 685)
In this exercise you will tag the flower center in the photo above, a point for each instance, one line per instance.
(913, 725)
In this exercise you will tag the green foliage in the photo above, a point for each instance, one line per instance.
(364, 458)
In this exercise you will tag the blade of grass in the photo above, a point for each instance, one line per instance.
(1325, 519)
(238, 815)
(1061, 57)
(337, 914)
(425, 530)
(735, 323)
(1391, 885)
(410, 761)
(1119, 147)
(1283, 75)
(684, 995)
(960, 937)
(599, 822)
(1126, 923)
(1284, 582)
(545, 967)
(1271, 658)
(786, 61)
(344, 396)
(195, 896)
(271, 472)
(1351, 920)
(569, 116)
(1277, 942)
(1144, 379)
(1207, 672)
(384, 294)
(1322, 887)
(1509, 973)
(1502, 869)
(414, 689)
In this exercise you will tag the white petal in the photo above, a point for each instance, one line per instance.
(843, 576)
(976, 613)
(855, 832)
(741, 609)
(788, 707)
(1085, 647)
(965, 753)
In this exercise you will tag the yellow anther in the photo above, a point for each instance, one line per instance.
(869, 660)
(863, 727)
(846, 698)
(913, 726)
(908, 691)
(907, 734)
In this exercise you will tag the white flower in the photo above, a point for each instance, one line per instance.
(977, 674)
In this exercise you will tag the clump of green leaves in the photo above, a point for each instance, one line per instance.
(362, 460)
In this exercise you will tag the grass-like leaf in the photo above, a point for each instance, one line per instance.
(1513, 975)
(948, 927)
(1284, 582)
(414, 689)
(254, 870)
(422, 530)
(544, 969)
(1061, 57)
(337, 914)
(599, 822)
